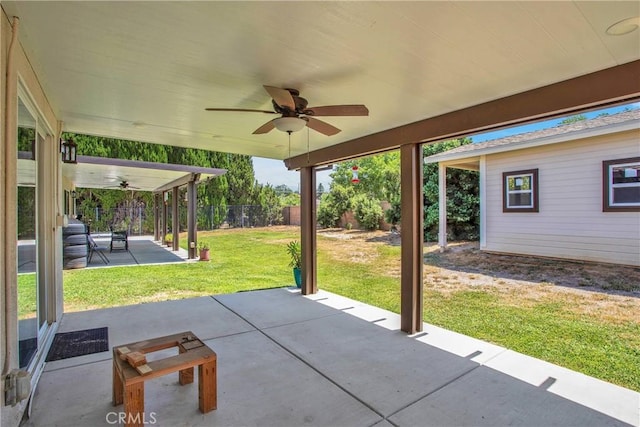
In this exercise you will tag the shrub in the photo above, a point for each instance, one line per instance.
(333, 205)
(392, 215)
(367, 211)
(327, 212)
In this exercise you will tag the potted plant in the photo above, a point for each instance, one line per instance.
(295, 252)
(204, 251)
(168, 239)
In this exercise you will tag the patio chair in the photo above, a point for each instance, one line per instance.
(95, 248)
(120, 237)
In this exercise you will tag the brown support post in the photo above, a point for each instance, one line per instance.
(165, 215)
(156, 216)
(191, 219)
(175, 217)
(411, 237)
(308, 230)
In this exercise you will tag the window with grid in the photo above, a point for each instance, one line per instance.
(621, 185)
(520, 191)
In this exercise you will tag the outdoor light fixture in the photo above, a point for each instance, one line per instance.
(625, 26)
(69, 151)
(74, 195)
(289, 124)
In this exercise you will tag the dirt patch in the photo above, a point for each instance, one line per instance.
(605, 291)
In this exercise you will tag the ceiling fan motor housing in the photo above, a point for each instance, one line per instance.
(300, 102)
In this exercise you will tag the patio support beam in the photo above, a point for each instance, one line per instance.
(483, 201)
(165, 215)
(175, 218)
(308, 230)
(192, 200)
(602, 88)
(411, 238)
(157, 200)
(442, 206)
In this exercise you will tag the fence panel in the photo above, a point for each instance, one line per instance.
(138, 219)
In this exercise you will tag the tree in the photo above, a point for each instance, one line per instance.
(573, 119)
(240, 179)
(463, 201)
(320, 190)
(238, 186)
(333, 204)
(283, 190)
(292, 199)
(379, 175)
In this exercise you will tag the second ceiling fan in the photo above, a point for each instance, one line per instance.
(295, 114)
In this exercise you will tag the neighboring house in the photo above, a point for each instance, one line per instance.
(572, 191)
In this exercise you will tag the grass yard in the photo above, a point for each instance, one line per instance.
(528, 309)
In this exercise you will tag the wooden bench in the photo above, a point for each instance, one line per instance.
(131, 370)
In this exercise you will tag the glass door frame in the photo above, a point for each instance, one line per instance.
(46, 180)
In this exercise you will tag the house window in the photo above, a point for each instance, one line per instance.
(621, 185)
(520, 191)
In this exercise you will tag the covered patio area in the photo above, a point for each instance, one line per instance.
(323, 360)
(142, 250)
(101, 68)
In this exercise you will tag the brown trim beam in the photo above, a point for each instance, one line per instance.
(175, 218)
(411, 235)
(165, 217)
(610, 86)
(157, 200)
(308, 230)
(192, 223)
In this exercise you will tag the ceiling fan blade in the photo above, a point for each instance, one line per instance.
(282, 97)
(267, 127)
(244, 110)
(322, 127)
(338, 110)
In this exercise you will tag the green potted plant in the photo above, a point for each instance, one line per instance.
(168, 239)
(204, 251)
(295, 252)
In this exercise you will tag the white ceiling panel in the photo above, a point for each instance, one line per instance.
(109, 65)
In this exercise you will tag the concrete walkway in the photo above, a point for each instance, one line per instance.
(324, 360)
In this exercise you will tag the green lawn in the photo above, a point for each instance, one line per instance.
(551, 330)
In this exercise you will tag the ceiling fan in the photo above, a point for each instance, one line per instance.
(295, 114)
(124, 185)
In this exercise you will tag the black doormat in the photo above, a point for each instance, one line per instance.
(26, 350)
(78, 343)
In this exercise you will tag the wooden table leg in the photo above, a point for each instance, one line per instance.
(134, 404)
(118, 387)
(185, 376)
(207, 387)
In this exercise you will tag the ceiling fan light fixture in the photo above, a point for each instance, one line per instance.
(289, 124)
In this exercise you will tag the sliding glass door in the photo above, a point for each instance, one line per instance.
(32, 256)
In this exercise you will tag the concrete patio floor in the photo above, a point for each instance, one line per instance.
(324, 360)
(142, 250)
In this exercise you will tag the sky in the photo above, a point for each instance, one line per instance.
(274, 172)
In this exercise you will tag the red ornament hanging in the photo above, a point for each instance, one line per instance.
(354, 173)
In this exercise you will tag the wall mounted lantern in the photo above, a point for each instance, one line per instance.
(69, 151)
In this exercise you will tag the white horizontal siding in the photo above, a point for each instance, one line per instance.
(570, 223)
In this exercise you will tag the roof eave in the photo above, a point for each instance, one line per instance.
(555, 139)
